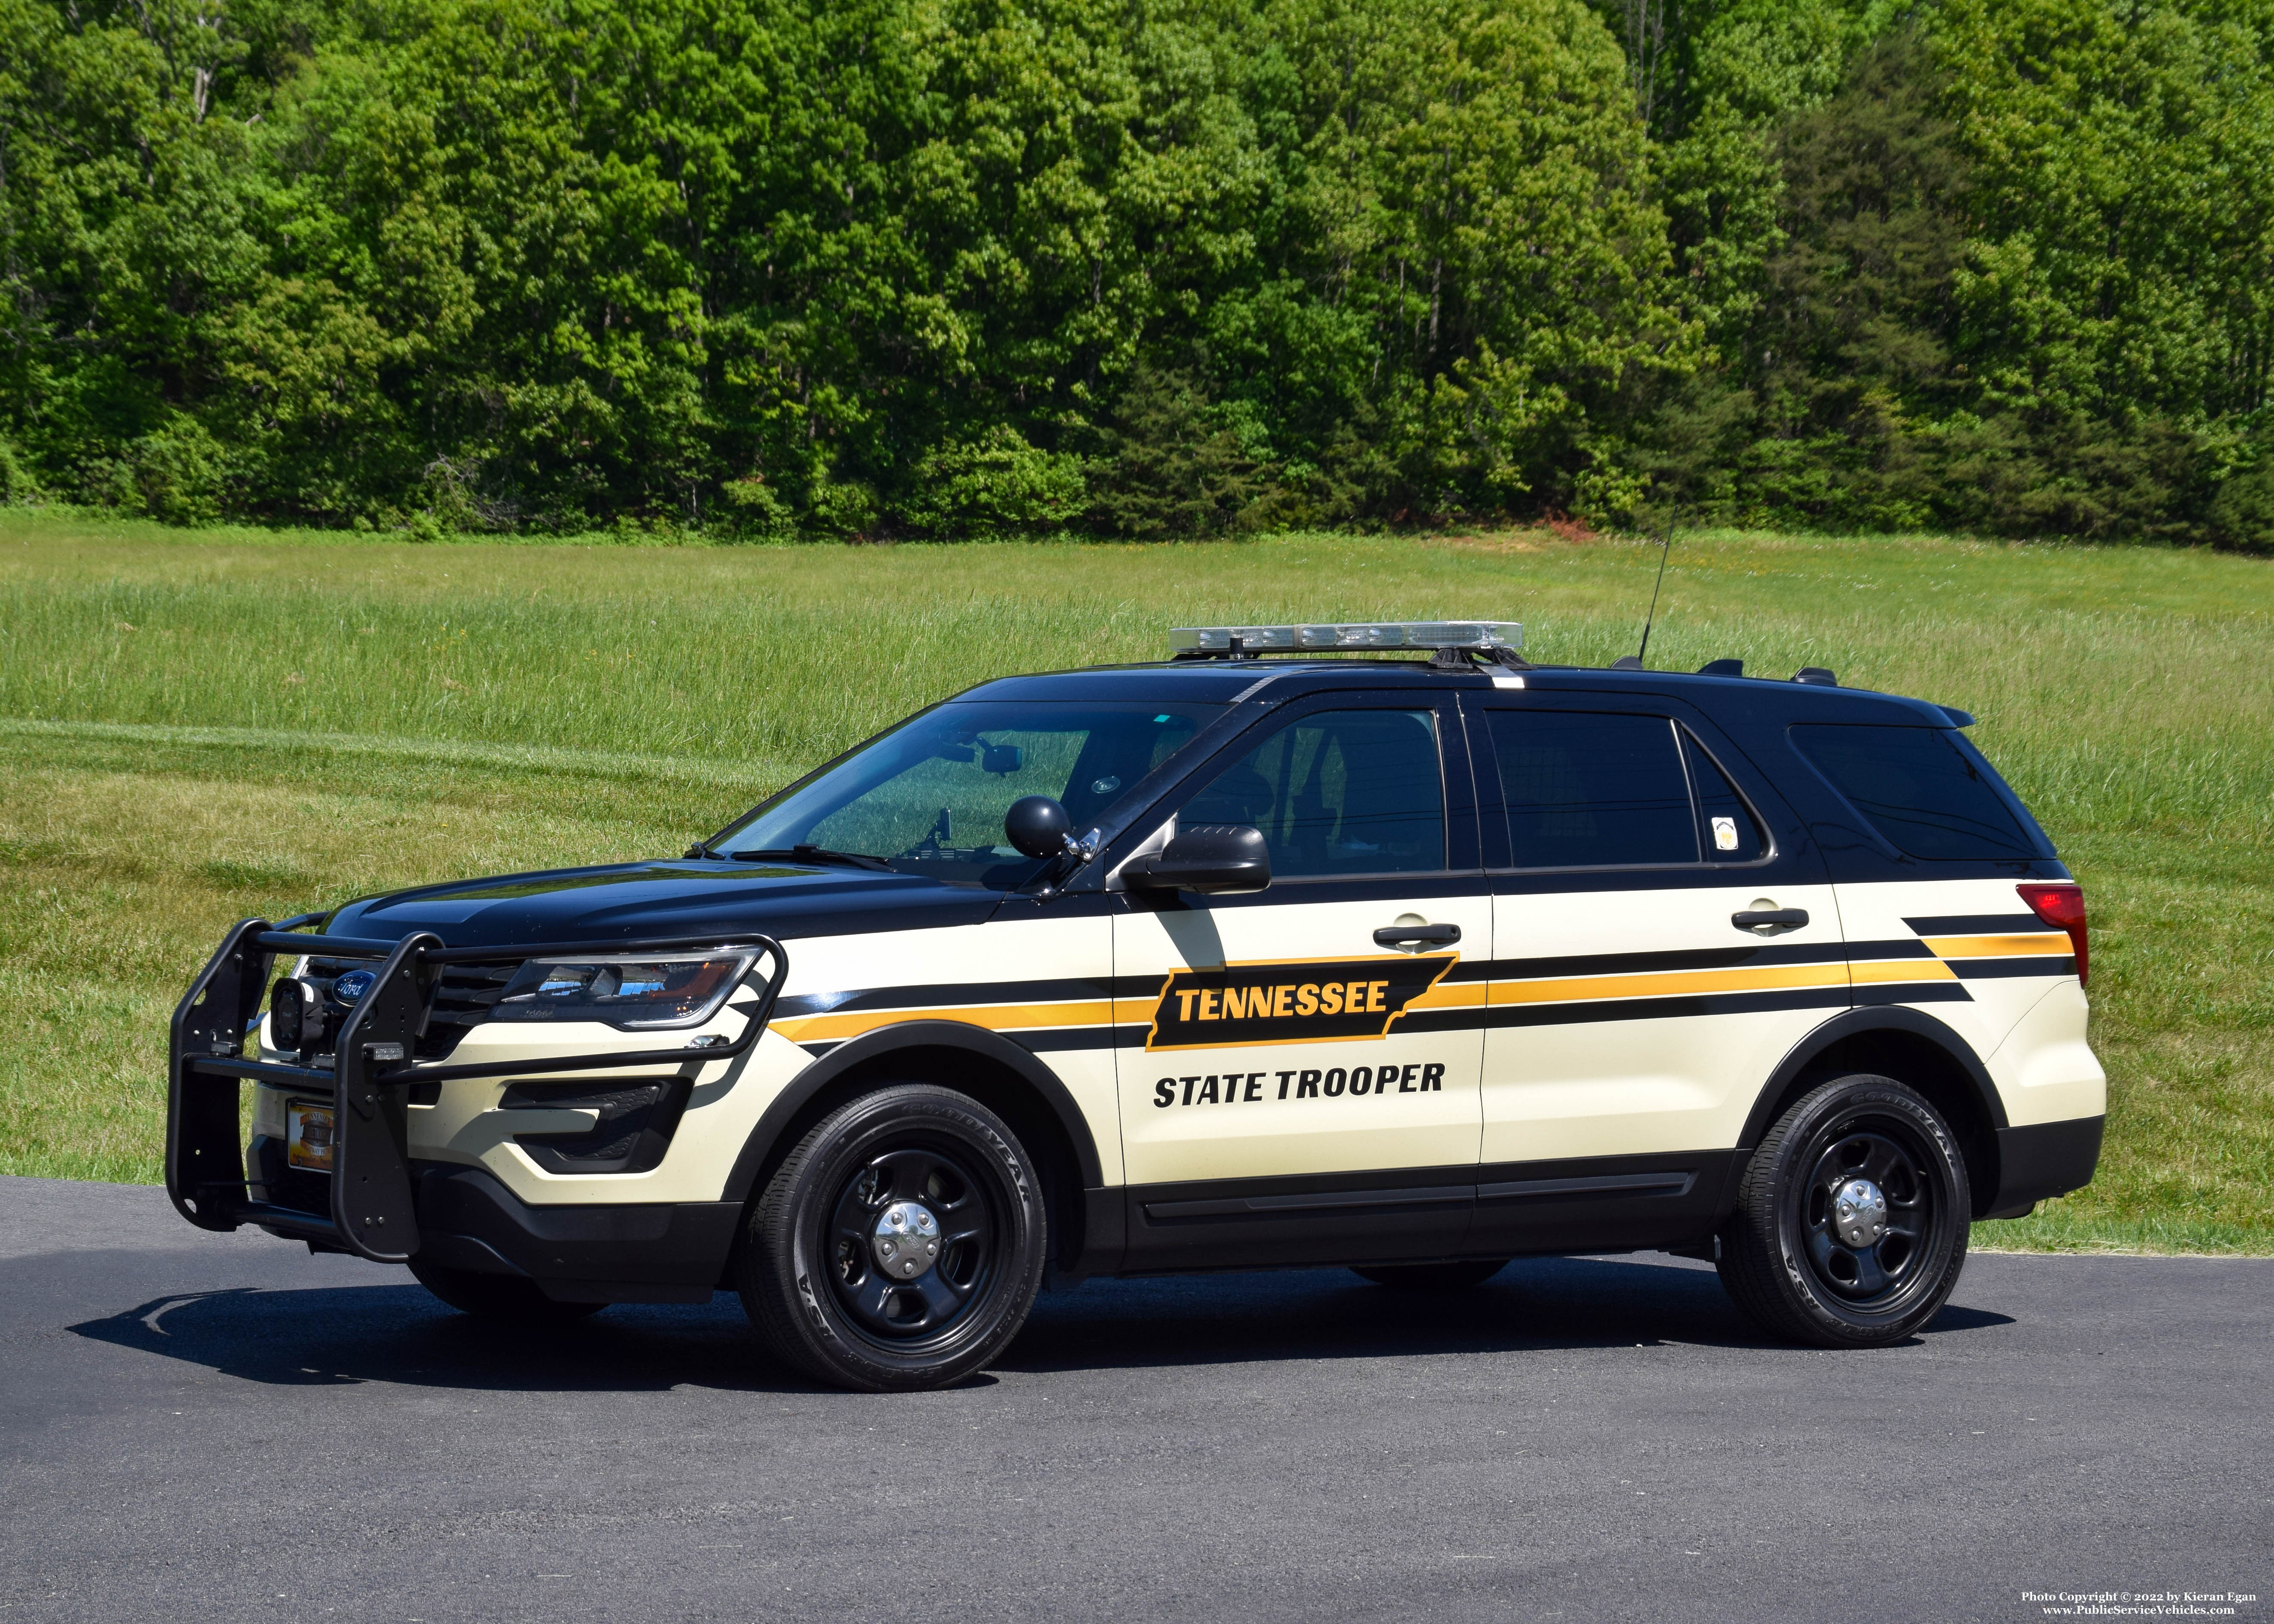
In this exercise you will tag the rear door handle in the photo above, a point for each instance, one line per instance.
(1753, 919)
(1412, 935)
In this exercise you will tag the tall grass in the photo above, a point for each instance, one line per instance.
(198, 728)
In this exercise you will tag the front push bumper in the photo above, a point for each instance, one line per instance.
(380, 1207)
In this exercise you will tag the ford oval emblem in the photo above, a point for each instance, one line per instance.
(353, 985)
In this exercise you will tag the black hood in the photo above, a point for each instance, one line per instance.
(631, 901)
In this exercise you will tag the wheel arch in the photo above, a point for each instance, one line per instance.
(1008, 1079)
(1912, 1048)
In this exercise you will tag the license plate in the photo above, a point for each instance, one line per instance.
(308, 1136)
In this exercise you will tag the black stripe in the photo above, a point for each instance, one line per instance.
(1914, 992)
(1906, 948)
(1058, 1040)
(1975, 924)
(1992, 969)
(1640, 964)
(952, 995)
(1637, 1009)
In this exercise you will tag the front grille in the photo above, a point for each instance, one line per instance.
(463, 999)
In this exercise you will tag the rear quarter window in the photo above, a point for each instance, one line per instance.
(1927, 791)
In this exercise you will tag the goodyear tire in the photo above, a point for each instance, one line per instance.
(1432, 1276)
(1851, 1219)
(899, 1246)
(501, 1299)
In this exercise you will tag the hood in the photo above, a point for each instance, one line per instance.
(628, 901)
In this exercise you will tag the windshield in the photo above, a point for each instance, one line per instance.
(929, 797)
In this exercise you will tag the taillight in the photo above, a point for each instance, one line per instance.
(2060, 903)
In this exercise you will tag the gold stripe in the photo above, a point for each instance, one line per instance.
(1585, 988)
(2033, 946)
(994, 1018)
(1458, 995)
(1871, 972)
(1462, 996)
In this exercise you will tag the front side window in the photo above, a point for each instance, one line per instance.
(1338, 793)
(929, 797)
(1592, 790)
(1926, 789)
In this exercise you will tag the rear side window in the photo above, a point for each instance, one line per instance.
(1591, 790)
(1927, 792)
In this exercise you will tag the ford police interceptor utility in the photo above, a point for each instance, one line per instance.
(1414, 966)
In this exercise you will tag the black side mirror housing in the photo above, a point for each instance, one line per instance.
(1038, 826)
(1207, 857)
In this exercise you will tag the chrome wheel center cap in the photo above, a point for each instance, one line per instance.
(907, 1241)
(1859, 1214)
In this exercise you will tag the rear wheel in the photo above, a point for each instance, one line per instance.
(1432, 1276)
(899, 1246)
(1851, 1219)
(501, 1299)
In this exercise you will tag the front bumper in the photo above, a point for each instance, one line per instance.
(373, 1209)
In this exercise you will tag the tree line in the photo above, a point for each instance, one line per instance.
(1147, 269)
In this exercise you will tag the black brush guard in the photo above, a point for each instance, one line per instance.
(372, 1211)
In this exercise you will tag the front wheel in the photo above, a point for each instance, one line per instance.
(899, 1246)
(1851, 1218)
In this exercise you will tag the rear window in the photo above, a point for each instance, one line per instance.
(1926, 789)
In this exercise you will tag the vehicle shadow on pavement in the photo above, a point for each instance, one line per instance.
(338, 1335)
(1534, 1303)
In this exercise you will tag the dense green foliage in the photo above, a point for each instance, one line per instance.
(974, 267)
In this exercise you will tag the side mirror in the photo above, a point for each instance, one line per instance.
(1038, 826)
(1207, 858)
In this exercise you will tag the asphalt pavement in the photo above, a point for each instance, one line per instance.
(200, 1427)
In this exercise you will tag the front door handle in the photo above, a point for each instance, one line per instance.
(1415, 936)
(1756, 918)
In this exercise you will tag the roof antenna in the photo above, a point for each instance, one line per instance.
(1665, 545)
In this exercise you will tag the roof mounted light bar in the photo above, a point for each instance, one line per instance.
(1485, 637)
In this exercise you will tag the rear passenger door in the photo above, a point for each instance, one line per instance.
(1297, 1088)
(1662, 935)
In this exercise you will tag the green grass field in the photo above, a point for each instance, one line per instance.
(201, 727)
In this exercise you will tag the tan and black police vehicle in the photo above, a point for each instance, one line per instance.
(1257, 957)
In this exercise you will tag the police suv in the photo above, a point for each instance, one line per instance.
(1414, 966)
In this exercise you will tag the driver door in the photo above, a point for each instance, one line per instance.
(1295, 1080)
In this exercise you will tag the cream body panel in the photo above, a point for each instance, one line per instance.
(1879, 913)
(1612, 1087)
(1270, 1134)
(466, 1125)
(2045, 1071)
(1026, 942)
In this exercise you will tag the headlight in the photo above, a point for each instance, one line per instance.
(623, 992)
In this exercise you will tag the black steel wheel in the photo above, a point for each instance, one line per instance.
(899, 1246)
(499, 1299)
(1459, 1276)
(1851, 1219)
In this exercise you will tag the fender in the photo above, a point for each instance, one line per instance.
(913, 1034)
(1862, 1023)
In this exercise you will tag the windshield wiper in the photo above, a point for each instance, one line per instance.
(818, 853)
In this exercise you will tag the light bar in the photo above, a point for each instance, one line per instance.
(1484, 636)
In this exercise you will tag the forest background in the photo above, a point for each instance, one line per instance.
(991, 268)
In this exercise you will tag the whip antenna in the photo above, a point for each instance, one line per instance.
(1665, 545)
